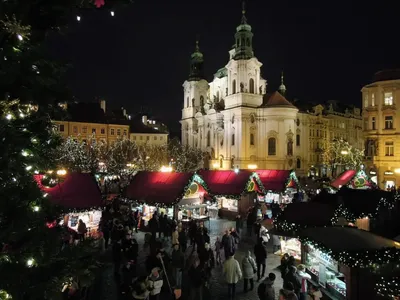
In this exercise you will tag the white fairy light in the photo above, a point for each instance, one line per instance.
(28, 168)
(78, 18)
(112, 13)
(24, 153)
(9, 116)
(20, 37)
(36, 208)
(30, 262)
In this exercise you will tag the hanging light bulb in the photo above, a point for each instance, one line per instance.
(20, 37)
(112, 13)
(30, 262)
(78, 18)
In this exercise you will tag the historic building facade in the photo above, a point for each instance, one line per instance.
(238, 124)
(381, 106)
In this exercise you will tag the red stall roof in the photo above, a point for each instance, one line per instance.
(158, 187)
(343, 179)
(274, 180)
(78, 191)
(225, 182)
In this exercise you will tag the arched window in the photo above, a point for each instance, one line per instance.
(252, 139)
(201, 101)
(298, 163)
(271, 146)
(251, 85)
(187, 102)
(208, 139)
(290, 147)
(234, 86)
(233, 139)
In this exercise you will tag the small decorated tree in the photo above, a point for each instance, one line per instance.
(185, 158)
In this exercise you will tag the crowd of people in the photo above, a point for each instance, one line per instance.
(181, 257)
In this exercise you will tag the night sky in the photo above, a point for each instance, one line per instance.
(327, 49)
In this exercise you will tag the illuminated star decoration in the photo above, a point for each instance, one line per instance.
(99, 3)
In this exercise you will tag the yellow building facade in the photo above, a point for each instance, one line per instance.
(381, 106)
(92, 132)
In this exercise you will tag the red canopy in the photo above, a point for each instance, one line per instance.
(158, 187)
(343, 179)
(226, 182)
(274, 180)
(76, 191)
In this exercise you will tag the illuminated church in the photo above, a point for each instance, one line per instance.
(238, 124)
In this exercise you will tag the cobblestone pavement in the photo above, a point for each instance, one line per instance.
(106, 287)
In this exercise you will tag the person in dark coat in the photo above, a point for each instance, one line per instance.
(197, 278)
(162, 224)
(228, 243)
(182, 238)
(177, 265)
(192, 234)
(207, 260)
(292, 279)
(153, 226)
(261, 258)
(117, 257)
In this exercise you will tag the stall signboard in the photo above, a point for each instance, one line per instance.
(322, 275)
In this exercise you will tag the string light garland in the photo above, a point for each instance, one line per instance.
(359, 258)
(388, 288)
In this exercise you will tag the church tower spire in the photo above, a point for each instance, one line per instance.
(282, 87)
(196, 64)
(243, 38)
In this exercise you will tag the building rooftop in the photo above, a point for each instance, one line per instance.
(276, 100)
(385, 75)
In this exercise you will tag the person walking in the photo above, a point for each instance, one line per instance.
(261, 258)
(239, 223)
(175, 236)
(233, 274)
(249, 269)
(228, 243)
(266, 290)
(197, 278)
(177, 264)
(182, 239)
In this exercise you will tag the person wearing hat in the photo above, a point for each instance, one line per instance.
(156, 282)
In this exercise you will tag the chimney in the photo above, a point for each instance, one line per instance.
(103, 105)
(144, 119)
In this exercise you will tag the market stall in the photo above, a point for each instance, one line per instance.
(295, 217)
(231, 190)
(79, 195)
(354, 180)
(277, 186)
(178, 195)
(347, 269)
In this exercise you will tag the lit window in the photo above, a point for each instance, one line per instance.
(373, 127)
(125, 132)
(389, 149)
(389, 122)
(388, 98)
(103, 131)
(118, 131)
(93, 130)
(62, 128)
(84, 129)
(75, 129)
(112, 131)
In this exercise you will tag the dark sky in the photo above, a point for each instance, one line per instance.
(327, 49)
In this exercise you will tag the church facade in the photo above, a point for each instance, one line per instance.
(239, 124)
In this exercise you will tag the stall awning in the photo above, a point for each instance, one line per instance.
(78, 191)
(276, 180)
(228, 182)
(354, 180)
(152, 188)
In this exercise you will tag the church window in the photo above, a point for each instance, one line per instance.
(297, 139)
(234, 86)
(248, 42)
(252, 119)
(272, 146)
(208, 139)
(233, 139)
(251, 85)
(201, 101)
(298, 122)
(290, 147)
(298, 163)
(187, 102)
(251, 139)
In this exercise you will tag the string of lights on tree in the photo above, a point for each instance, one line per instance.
(388, 288)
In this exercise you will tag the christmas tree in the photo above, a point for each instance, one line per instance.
(33, 264)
